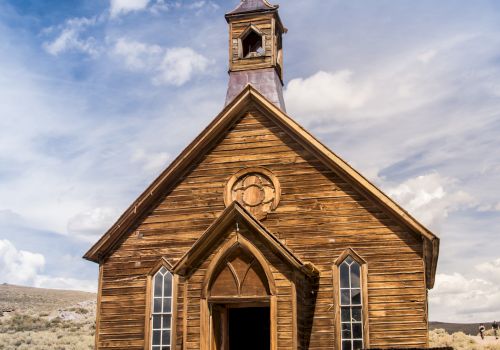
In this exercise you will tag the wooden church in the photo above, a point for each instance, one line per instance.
(257, 236)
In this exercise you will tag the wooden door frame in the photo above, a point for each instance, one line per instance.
(206, 326)
(205, 315)
(234, 303)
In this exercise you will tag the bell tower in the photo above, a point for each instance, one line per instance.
(256, 50)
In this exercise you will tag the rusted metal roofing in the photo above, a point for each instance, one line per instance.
(265, 80)
(252, 5)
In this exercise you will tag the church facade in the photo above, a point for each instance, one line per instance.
(257, 236)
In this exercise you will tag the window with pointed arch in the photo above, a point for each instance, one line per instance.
(351, 305)
(350, 271)
(161, 310)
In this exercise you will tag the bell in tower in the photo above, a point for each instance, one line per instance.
(255, 32)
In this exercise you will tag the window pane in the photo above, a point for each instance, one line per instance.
(166, 338)
(346, 331)
(356, 296)
(156, 347)
(158, 283)
(355, 275)
(163, 270)
(167, 305)
(344, 297)
(345, 314)
(346, 345)
(165, 348)
(167, 290)
(157, 305)
(349, 260)
(156, 321)
(356, 331)
(356, 313)
(156, 337)
(344, 276)
(358, 345)
(166, 322)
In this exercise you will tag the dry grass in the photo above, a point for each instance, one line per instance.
(462, 341)
(39, 319)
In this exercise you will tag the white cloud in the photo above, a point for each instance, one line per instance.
(138, 56)
(25, 268)
(92, 224)
(179, 65)
(326, 91)
(457, 298)
(490, 269)
(430, 198)
(489, 207)
(170, 66)
(403, 83)
(427, 56)
(151, 161)
(197, 5)
(163, 6)
(19, 266)
(50, 282)
(120, 7)
(70, 38)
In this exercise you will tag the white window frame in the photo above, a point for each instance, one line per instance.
(350, 305)
(161, 314)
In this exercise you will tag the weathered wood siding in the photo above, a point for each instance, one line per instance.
(265, 24)
(319, 216)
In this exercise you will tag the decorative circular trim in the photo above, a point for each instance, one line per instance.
(228, 190)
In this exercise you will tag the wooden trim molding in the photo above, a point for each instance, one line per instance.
(268, 181)
(201, 144)
(364, 295)
(232, 215)
(244, 34)
(232, 244)
(163, 262)
(206, 302)
(295, 332)
(98, 307)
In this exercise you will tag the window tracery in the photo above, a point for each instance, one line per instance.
(161, 315)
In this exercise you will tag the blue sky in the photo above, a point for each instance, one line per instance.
(97, 97)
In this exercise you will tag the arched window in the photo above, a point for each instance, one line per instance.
(161, 310)
(351, 304)
(252, 43)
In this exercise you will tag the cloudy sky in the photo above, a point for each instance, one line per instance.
(97, 97)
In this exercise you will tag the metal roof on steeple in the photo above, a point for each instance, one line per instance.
(251, 6)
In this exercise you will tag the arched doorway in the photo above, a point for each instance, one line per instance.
(240, 300)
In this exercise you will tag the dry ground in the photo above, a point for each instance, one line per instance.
(36, 319)
(47, 319)
(462, 341)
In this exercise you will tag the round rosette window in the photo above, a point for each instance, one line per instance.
(256, 189)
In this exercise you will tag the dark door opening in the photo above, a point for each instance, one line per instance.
(249, 328)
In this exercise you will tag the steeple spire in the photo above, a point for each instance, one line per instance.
(256, 58)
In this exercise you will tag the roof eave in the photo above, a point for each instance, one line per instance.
(99, 250)
(330, 159)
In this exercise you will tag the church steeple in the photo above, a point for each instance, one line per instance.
(255, 52)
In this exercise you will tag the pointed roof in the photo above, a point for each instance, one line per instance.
(252, 6)
(233, 214)
(169, 178)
